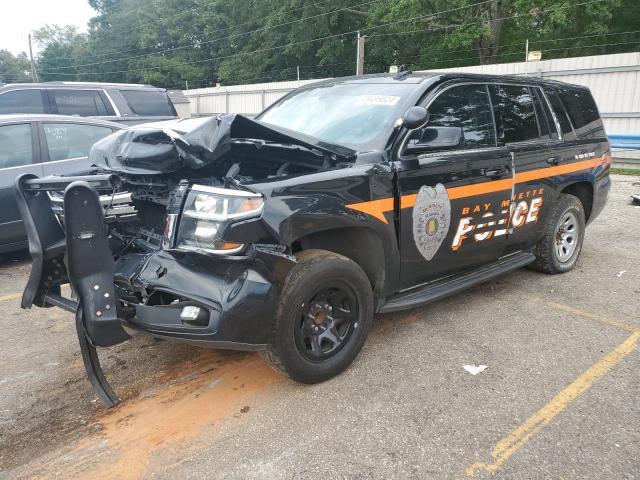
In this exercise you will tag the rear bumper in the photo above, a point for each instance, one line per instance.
(601, 191)
(239, 295)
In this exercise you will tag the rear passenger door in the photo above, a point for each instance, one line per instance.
(18, 155)
(66, 146)
(525, 129)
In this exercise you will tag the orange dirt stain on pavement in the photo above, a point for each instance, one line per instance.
(161, 420)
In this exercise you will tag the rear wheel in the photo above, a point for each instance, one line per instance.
(324, 317)
(560, 246)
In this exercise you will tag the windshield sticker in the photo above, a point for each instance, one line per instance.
(431, 218)
(386, 100)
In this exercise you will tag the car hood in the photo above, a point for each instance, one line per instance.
(168, 147)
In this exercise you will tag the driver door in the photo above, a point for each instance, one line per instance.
(455, 186)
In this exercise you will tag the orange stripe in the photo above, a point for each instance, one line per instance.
(378, 208)
(375, 208)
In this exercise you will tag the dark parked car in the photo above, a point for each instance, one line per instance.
(40, 145)
(285, 234)
(130, 104)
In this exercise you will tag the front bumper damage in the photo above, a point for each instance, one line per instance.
(236, 296)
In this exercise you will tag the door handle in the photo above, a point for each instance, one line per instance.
(496, 172)
(553, 160)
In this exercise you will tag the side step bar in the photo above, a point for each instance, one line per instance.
(449, 286)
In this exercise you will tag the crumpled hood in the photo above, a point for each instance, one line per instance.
(168, 147)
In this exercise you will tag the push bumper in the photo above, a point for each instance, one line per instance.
(237, 295)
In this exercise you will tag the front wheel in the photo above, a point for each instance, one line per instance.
(561, 243)
(324, 317)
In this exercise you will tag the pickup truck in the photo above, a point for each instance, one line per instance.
(286, 233)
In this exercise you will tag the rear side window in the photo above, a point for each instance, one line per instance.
(469, 108)
(582, 111)
(16, 148)
(152, 103)
(516, 114)
(71, 140)
(22, 101)
(561, 114)
(86, 103)
(547, 125)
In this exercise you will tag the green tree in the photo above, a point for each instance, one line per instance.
(61, 47)
(204, 42)
(14, 68)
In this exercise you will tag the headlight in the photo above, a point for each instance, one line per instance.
(207, 213)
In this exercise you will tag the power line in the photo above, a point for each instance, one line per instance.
(459, 59)
(431, 52)
(187, 46)
(420, 17)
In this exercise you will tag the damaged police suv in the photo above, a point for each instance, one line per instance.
(285, 234)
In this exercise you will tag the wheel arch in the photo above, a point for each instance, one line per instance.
(360, 244)
(584, 191)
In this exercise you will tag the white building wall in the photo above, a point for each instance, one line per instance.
(613, 79)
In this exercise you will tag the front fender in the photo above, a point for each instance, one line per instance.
(302, 206)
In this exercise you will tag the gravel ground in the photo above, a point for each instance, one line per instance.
(560, 397)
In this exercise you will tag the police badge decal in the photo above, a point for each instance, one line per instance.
(431, 218)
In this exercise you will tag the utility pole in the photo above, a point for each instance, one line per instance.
(298, 70)
(360, 55)
(34, 74)
(526, 51)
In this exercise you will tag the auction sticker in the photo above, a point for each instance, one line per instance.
(387, 100)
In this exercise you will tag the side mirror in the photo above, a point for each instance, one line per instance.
(415, 117)
(437, 138)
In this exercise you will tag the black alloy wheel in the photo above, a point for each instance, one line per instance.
(328, 319)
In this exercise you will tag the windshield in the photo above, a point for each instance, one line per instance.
(359, 116)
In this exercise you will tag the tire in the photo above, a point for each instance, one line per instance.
(324, 316)
(561, 243)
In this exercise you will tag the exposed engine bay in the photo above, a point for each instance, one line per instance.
(159, 163)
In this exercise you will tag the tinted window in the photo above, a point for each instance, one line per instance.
(545, 120)
(85, 103)
(22, 101)
(560, 112)
(583, 112)
(466, 107)
(514, 106)
(69, 140)
(149, 103)
(15, 145)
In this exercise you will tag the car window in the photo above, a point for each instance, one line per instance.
(16, 148)
(548, 128)
(22, 101)
(70, 140)
(561, 113)
(153, 103)
(582, 111)
(515, 111)
(86, 103)
(355, 115)
(466, 107)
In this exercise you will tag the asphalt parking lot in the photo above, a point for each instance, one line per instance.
(560, 397)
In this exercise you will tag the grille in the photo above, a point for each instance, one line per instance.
(117, 206)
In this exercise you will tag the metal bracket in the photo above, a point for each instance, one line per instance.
(92, 365)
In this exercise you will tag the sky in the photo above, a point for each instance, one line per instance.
(20, 17)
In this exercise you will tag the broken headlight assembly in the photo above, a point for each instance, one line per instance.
(207, 213)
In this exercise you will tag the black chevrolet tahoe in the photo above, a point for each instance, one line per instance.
(286, 233)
